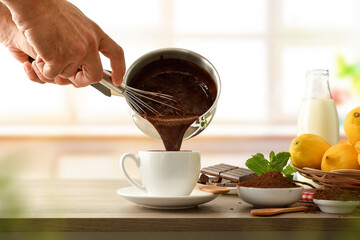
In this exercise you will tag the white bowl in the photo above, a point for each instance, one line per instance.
(337, 207)
(270, 197)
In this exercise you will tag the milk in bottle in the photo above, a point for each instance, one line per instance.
(318, 114)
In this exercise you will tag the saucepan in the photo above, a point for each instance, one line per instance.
(183, 54)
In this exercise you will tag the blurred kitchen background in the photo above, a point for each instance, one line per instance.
(261, 49)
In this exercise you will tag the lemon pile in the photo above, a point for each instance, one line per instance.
(309, 150)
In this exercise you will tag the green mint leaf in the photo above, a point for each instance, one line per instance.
(288, 172)
(279, 161)
(271, 156)
(258, 164)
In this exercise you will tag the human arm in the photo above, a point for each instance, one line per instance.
(64, 40)
(17, 44)
(11, 38)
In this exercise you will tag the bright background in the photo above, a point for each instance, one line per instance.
(261, 49)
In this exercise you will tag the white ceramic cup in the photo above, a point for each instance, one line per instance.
(165, 173)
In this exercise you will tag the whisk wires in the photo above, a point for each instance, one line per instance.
(137, 99)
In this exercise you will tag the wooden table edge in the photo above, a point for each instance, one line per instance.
(177, 224)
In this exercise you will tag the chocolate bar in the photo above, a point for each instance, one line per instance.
(229, 172)
(238, 174)
(217, 169)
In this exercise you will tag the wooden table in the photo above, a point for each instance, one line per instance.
(94, 206)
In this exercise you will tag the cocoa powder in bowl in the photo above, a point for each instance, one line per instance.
(339, 194)
(269, 180)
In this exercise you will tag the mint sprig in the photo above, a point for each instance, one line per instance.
(258, 164)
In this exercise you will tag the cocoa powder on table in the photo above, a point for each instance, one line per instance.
(269, 180)
(339, 194)
(312, 208)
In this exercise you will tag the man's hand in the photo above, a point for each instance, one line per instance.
(63, 40)
(17, 44)
(12, 38)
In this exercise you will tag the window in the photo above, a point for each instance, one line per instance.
(260, 48)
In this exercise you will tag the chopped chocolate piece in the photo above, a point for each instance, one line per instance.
(230, 184)
(216, 184)
(203, 179)
(215, 179)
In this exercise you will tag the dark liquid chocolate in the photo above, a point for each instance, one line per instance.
(188, 83)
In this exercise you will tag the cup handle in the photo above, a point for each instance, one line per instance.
(122, 167)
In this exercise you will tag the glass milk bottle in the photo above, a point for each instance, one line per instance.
(318, 113)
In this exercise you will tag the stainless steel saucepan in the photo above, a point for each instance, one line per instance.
(203, 121)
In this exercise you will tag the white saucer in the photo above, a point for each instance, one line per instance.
(195, 198)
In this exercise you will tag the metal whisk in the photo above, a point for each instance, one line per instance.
(136, 97)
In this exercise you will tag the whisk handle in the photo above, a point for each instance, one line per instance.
(101, 87)
(107, 87)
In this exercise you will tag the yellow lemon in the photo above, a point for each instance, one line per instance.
(357, 148)
(352, 125)
(307, 150)
(340, 156)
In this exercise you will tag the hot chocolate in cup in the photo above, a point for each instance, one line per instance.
(164, 173)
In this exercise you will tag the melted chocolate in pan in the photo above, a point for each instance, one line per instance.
(188, 83)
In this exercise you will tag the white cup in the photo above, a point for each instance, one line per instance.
(165, 173)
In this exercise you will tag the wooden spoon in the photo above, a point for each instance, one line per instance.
(274, 211)
(214, 189)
